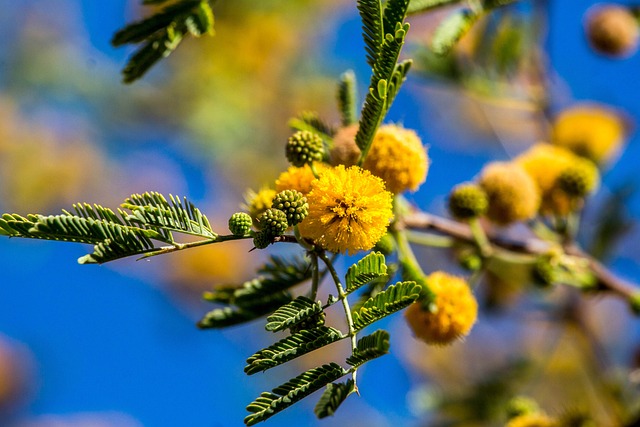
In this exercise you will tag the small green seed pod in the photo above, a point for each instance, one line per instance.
(274, 222)
(386, 245)
(293, 204)
(579, 179)
(468, 201)
(240, 223)
(303, 148)
(261, 240)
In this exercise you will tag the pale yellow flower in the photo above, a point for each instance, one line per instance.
(299, 179)
(532, 420)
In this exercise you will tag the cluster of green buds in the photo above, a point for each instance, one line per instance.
(303, 148)
(288, 208)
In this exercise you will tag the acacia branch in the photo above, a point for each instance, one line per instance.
(424, 221)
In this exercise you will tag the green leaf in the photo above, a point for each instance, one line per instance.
(418, 6)
(394, 12)
(293, 313)
(394, 298)
(369, 348)
(201, 20)
(372, 28)
(310, 121)
(150, 53)
(332, 398)
(153, 210)
(368, 269)
(148, 27)
(348, 98)
(451, 30)
(291, 347)
(270, 403)
(230, 316)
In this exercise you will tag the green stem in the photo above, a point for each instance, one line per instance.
(480, 238)
(181, 246)
(315, 276)
(309, 247)
(342, 296)
(428, 239)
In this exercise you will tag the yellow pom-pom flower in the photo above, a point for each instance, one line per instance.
(513, 195)
(591, 131)
(456, 310)
(532, 420)
(298, 179)
(398, 156)
(349, 210)
(544, 163)
(257, 203)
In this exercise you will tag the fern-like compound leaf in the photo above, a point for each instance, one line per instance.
(348, 98)
(394, 12)
(154, 210)
(293, 313)
(280, 398)
(291, 347)
(332, 398)
(230, 316)
(394, 298)
(372, 30)
(451, 30)
(369, 348)
(368, 269)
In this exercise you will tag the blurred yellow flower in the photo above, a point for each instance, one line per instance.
(349, 210)
(532, 420)
(512, 193)
(590, 130)
(544, 163)
(299, 179)
(456, 311)
(398, 156)
(256, 203)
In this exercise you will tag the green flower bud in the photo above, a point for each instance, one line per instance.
(274, 222)
(303, 148)
(521, 405)
(240, 224)
(293, 204)
(579, 179)
(385, 245)
(467, 201)
(261, 240)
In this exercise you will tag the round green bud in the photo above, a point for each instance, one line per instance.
(261, 240)
(544, 275)
(274, 222)
(467, 201)
(579, 179)
(521, 405)
(386, 245)
(303, 148)
(470, 261)
(293, 204)
(240, 223)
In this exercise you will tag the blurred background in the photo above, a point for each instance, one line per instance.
(116, 345)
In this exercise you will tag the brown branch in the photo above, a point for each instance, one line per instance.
(531, 245)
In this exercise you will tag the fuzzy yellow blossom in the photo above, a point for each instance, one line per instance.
(344, 150)
(456, 310)
(590, 130)
(298, 179)
(398, 156)
(544, 163)
(257, 203)
(513, 195)
(532, 420)
(349, 210)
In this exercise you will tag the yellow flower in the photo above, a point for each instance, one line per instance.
(544, 163)
(398, 156)
(298, 179)
(456, 310)
(590, 130)
(256, 203)
(512, 193)
(532, 420)
(349, 210)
